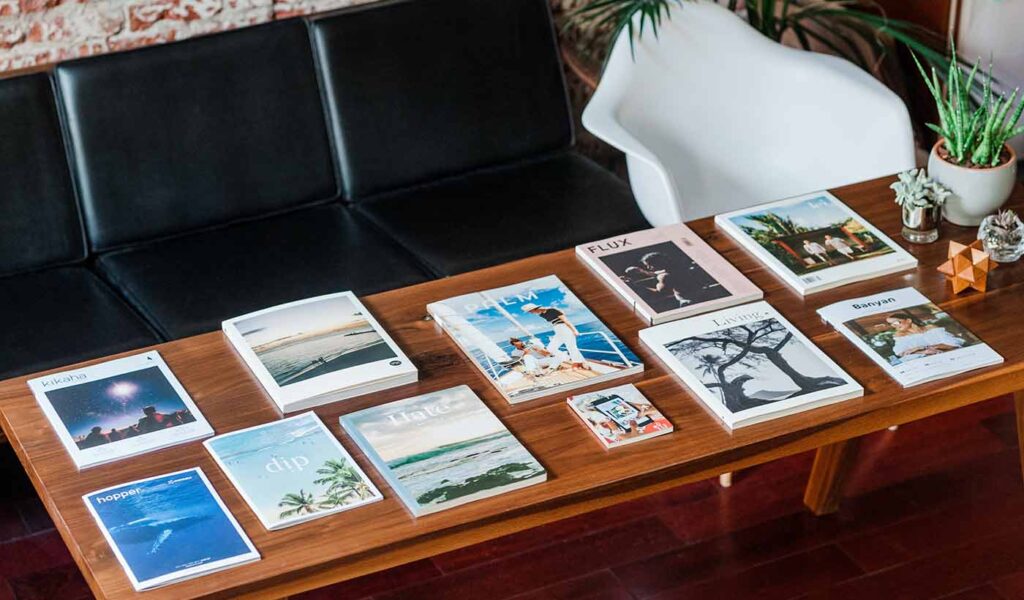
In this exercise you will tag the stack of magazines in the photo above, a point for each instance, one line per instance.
(911, 338)
(534, 339)
(749, 364)
(318, 350)
(668, 273)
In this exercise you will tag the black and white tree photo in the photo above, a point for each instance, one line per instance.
(754, 364)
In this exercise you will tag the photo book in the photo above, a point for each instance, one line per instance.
(815, 242)
(668, 273)
(169, 528)
(118, 408)
(292, 471)
(748, 364)
(534, 338)
(620, 415)
(912, 339)
(319, 350)
(442, 449)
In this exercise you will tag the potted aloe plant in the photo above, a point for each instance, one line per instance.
(972, 157)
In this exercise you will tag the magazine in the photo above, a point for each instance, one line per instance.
(668, 273)
(291, 471)
(534, 338)
(815, 242)
(912, 339)
(620, 415)
(169, 528)
(749, 364)
(118, 408)
(318, 350)
(442, 449)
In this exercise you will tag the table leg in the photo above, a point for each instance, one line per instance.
(1018, 405)
(825, 485)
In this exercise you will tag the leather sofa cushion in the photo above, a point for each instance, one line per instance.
(61, 316)
(177, 137)
(427, 88)
(503, 214)
(39, 221)
(188, 285)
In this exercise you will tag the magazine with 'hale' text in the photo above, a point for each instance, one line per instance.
(118, 408)
(913, 339)
(292, 470)
(668, 273)
(534, 338)
(749, 364)
(169, 528)
(815, 242)
(442, 449)
(319, 350)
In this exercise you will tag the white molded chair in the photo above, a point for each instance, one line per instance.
(713, 116)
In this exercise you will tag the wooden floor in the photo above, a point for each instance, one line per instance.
(936, 511)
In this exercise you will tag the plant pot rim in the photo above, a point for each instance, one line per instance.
(1009, 148)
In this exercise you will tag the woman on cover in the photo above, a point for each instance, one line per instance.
(658, 267)
(913, 339)
(534, 357)
(565, 333)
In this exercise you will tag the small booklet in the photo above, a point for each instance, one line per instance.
(534, 339)
(619, 415)
(907, 335)
(668, 273)
(815, 242)
(292, 471)
(319, 350)
(118, 408)
(749, 364)
(169, 528)
(442, 449)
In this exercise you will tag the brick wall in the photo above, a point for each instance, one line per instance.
(39, 32)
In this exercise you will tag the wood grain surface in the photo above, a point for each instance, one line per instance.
(582, 475)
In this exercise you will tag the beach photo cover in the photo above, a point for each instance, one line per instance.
(443, 449)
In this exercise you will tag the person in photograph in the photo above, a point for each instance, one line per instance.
(155, 421)
(666, 281)
(840, 246)
(817, 251)
(96, 437)
(565, 333)
(914, 339)
(535, 358)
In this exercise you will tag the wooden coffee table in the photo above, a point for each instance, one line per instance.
(582, 475)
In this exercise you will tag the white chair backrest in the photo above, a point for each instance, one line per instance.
(715, 117)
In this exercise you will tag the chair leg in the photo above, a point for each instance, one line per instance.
(725, 479)
(832, 464)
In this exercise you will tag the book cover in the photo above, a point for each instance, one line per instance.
(316, 347)
(534, 338)
(118, 408)
(749, 364)
(815, 242)
(291, 471)
(169, 528)
(668, 273)
(442, 449)
(911, 338)
(619, 415)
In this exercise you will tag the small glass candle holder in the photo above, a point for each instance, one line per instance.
(921, 223)
(1002, 236)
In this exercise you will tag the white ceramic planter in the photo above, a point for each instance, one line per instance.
(976, 193)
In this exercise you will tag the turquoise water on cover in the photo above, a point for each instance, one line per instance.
(469, 467)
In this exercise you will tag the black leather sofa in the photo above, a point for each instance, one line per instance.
(148, 195)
